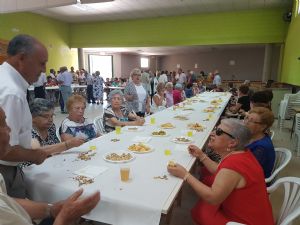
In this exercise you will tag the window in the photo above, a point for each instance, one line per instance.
(102, 63)
(144, 62)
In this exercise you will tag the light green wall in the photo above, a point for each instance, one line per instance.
(255, 26)
(291, 64)
(53, 33)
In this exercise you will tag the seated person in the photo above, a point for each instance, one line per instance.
(75, 125)
(23, 211)
(196, 89)
(44, 130)
(169, 94)
(243, 103)
(261, 99)
(159, 100)
(117, 115)
(177, 94)
(238, 191)
(259, 120)
(189, 91)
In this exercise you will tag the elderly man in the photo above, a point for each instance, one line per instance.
(27, 59)
(23, 211)
(65, 79)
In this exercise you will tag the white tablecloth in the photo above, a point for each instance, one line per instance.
(143, 198)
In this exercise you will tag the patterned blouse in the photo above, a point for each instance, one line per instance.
(86, 130)
(51, 139)
(109, 113)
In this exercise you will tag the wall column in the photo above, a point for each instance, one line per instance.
(80, 58)
(267, 63)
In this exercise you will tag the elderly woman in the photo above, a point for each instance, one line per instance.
(75, 125)
(98, 88)
(43, 128)
(238, 192)
(169, 94)
(243, 102)
(159, 100)
(117, 115)
(136, 94)
(178, 94)
(259, 120)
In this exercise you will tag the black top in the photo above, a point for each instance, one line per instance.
(245, 102)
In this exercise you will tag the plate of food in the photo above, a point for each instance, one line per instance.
(196, 126)
(140, 148)
(209, 109)
(181, 117)
(188, 109)
(133, 128)
(159, 133)
(118, 157)
(182, 140)
(167, 126)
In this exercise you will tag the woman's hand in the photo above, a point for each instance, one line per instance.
(140, 121)
(195, 151)
(177, 171)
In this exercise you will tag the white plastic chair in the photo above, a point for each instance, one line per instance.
(272, 133)
(282, 158)
(290, 208)
(282, 113)
(58, 134)
(98, 121)
(297, 132)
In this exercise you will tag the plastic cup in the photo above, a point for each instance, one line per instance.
(189, 133)
(118, 130)
(124, 173)
(92, 145)
(152, 120)
(168, 152)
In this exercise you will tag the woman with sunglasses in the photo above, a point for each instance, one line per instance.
(259, 120)
(238, 192)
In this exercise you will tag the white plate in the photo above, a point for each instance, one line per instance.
(133, 128)
(119, 153)
(182, 142)
(167, 127)
(142, 152)
(166, 135)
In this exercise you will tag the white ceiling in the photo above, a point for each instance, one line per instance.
(132, 9)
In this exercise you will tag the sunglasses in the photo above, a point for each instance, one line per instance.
(219, 132)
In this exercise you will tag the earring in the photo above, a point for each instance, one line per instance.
(228, 149)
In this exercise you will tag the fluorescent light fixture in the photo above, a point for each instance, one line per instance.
(93, 1)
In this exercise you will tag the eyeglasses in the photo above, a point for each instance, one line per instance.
(248, 120)
(219, 132)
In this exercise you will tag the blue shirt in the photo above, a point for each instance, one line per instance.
(264, 152)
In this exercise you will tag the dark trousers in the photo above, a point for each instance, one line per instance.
(39, 92)
(90, 96)
(14, 181)
(61, 102)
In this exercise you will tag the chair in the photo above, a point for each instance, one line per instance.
(272, 133)
(282, 113)
(58, 134)
(98, 121)
(290, 208)
(282, 158)
(297, 132)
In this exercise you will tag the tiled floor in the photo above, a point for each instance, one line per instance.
(181, 215)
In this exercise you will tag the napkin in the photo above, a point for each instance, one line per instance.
(90, 171)
(141, 139)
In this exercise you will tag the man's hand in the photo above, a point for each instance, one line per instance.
(39, 156)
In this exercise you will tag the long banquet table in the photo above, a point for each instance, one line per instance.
(143, 198)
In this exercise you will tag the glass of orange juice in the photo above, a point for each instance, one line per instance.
(124, 173)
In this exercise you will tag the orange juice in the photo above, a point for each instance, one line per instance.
(124, 172)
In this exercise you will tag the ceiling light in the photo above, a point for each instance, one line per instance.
(92, 1)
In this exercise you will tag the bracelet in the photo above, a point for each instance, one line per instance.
(186, 176)
(203, 158)
(66, 144)
(48, 210)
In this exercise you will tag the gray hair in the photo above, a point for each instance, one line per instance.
(39, 106)
(169, 84)
(21, 44)
(135, 71)
(113, 93)
(238, 130)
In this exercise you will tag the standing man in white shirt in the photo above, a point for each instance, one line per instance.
(65, 80)
(39, 86)
(217, 79)
(27, 58)
(182, 77)
(163, 78)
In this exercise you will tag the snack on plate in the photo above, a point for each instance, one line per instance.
(159, 133)
(83, 180)
(167, 125)
(196, 126)
(116, 157)
(214, 101)
(172, 163)
(140, 147)
(209, 109)
(132, 128)
(86, 155)
(188, 109)
(182, 139)
(181, 117)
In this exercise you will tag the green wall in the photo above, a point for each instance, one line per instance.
(53, 33)
(291, 64)
(255, 26)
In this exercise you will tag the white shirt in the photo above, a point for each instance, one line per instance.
(163, 78)
(41, 81)
(155, 108)
(66, 77)
(140, 90)
(217, 80)
(14, 103)
(52, 75)
(182, 78)
(10, 211)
